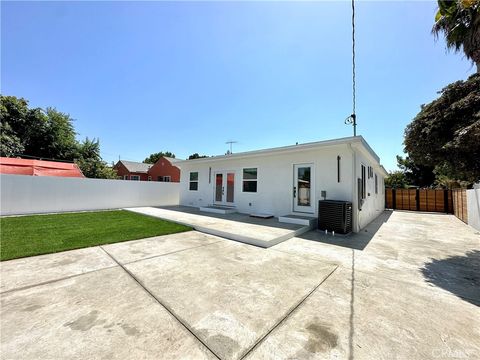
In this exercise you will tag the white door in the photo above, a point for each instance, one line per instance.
(224, 191)
(303, 189)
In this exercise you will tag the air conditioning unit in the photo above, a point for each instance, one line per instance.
(335, 215)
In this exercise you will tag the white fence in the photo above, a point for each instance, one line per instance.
(473, 208)
(22, 194)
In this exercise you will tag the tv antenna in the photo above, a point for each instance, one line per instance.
(352, 119)
(231, 142)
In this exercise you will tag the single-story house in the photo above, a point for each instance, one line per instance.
(289, 180)
(18, 166)
(163, 170)
(132, 170)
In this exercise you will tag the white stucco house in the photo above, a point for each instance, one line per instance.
(289, 180)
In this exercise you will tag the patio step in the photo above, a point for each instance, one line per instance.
(305, 220)
(218, 209)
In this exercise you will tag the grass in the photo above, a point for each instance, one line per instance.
(43, 234)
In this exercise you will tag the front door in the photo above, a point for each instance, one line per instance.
(303, 189)
(224, 187)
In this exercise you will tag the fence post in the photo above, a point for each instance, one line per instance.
(417, 199)
(394, 199)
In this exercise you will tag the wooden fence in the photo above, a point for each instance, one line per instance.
(460, 204)
(431, 200)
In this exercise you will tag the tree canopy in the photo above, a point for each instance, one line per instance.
(47, 134)
(396, 180)
(459, 22)
(196, 156)
(445, 135)
(153, 158)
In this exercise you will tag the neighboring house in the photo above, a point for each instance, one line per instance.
(163, 170)
(289, 180)
(16, 166)
(132, 170)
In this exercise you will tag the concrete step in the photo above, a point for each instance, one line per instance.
(304, 220)
(218, 209)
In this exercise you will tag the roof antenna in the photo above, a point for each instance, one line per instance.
(352, 119)
(231, 142)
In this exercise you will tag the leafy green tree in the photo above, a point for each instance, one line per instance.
(153, 158)
(445, 134)
(91, 163)
(396, 180)
(459, 22)
(416, 174)
(196, 156)
(35, 132)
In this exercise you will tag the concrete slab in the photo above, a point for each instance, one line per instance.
(99, 315)
(230, 294)
(356, 315)
(238, 227)
(416, 253)
(129, 251)
(30, 271)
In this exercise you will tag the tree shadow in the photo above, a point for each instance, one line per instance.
(459, 275)
(357, 241)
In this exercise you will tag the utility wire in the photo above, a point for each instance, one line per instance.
(353, 58)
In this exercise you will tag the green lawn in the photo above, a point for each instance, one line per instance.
(43, 234)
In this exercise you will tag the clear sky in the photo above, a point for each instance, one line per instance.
(189, 76)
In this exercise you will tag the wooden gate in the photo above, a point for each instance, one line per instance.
(431, 200)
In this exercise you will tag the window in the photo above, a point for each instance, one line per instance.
(149, 178)
(338, 168)
(250, 180)
(364, 181)
(125, 177)
(164, 178)
(193, 181)
(135, 177)
(376, 184)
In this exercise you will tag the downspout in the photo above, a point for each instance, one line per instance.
(356, 225)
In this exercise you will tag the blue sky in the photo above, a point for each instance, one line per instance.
(188, 76)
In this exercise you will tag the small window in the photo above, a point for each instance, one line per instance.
(250, 180)
(149, 178)
(159, 178)
(125, 177)
(167, 178)
(135, 177)
(193, 181)
(376, 184)
(364, 181)
(338, 168)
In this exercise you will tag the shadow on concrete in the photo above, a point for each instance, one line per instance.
(459, 275)
(356, 241)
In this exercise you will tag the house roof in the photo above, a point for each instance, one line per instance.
(136, 167)
(16, 166)
(291, 148)
(172, 160)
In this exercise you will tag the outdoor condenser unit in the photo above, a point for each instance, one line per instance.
(335, 215)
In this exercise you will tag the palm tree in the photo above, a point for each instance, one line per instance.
(459, 22)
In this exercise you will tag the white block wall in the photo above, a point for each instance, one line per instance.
(22, 194)
(473, 208)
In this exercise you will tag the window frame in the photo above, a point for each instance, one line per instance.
(364, 181)
(125, 177)
(191, 182)
(339, 159)
(376, 183)
(250, 180)
(168, 177)
(135, 177)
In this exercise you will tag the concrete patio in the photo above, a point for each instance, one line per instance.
(239, 227)
(406, 288)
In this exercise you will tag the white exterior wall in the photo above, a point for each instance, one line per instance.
(473, 207)
(21, 194)
(374, 203)
(274, 180)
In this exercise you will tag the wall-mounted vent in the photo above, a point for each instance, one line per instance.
(335, 215)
